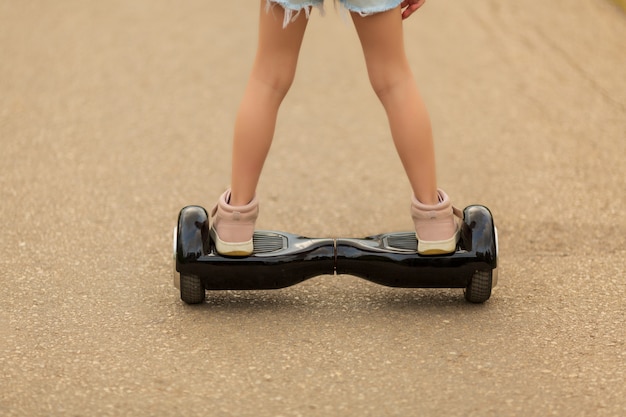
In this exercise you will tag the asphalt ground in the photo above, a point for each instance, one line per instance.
(114, 115)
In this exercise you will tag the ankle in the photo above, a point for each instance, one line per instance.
(431, 201)
(238, 200)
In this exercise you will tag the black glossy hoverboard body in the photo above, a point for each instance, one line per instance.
(283, 259)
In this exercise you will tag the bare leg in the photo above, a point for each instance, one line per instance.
(271, 77)
(381, 37)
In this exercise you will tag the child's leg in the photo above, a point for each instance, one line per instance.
(272, 74)
(381, 37)
(391, 77)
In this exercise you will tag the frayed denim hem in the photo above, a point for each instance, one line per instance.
(291, 13)
(365, 10)
(293, 8)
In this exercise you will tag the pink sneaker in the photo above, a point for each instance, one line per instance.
(436, 226)
(233, 226)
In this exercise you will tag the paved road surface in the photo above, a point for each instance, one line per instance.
(113, 115)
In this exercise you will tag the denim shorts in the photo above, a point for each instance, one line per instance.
(362, 7)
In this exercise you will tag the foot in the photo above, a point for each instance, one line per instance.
(233, 226)
(436, 226)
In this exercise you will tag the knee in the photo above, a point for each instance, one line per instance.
(277, 78)
(385, 79)
(281, 83)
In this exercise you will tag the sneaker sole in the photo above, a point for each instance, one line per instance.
(232, 248)
(439, 247)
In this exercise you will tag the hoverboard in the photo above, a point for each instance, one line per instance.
(283, 259)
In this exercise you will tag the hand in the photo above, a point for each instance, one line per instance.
(409, 6)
